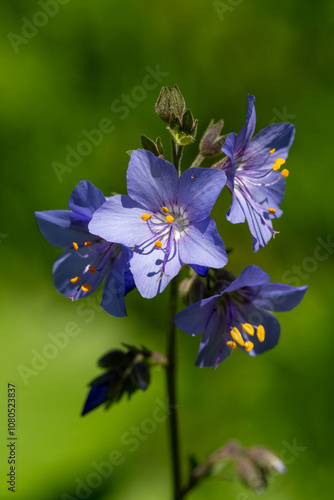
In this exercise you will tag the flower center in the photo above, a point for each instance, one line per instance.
(98, 256)
(167, 227)
(235, 322)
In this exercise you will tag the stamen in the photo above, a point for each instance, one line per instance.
(165, 210)
(169, 218)
(248, 328)
(158, 244)
(272, 210)
(272, 151)
(260, 333)
(192, 177)
(91, 269)
(285, 172)
(249, 346)
(236, 335)
(231, 344)
(278, 163)
(75, 245)
(75, 280)
(86, 287)
(88, 243)
(146, 217)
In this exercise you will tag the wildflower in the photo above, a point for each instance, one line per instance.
(88, 259)
(254, 177)
(238, 316)
(165, 219)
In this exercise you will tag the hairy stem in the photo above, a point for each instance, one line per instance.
(197, 161)
(177, 152)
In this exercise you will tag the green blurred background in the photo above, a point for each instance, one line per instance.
(62, 78)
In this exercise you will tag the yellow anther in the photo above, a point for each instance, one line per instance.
(272, 210)
(88, 243)
(158, 244)
(272, 151)
(248, 328)
(285, 172)
(169, 218)
(75, 280)
(192, 177)
(232, 344)
(75, 245)
(146, 217)
(86, 287)
(278, 163)
(249, 346)
(236, 335)
(165, 210)
(91, 269)
(260, 333)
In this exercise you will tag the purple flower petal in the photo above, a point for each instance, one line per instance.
(213, 348)
(279, 297)
(235, 213)
(260, 229)
(202, 245)
(198, 191)
(251, 276)
(151, 181)
(194, 319)
(119, 220)
(256, 316)
(85, 199)
(59, 230)
(114, 288)
(146, 266)
(98, 394)
(200, 270)
(247, 130)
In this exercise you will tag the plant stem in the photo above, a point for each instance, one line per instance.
(197, 161)
(177, 152)
(171, 391)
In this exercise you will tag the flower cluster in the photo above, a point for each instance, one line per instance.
(142, 239)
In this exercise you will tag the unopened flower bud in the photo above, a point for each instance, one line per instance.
(192, 290)
(267, 460)
(197, 291)
(220, 164)
(251, 475)
(212, 142)
(113, 359)
(170, 101)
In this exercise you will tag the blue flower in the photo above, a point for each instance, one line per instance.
(166, 220)
(238, 316)
(88, 259)
(254, 177)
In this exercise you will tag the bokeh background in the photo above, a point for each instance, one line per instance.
(63, 74)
